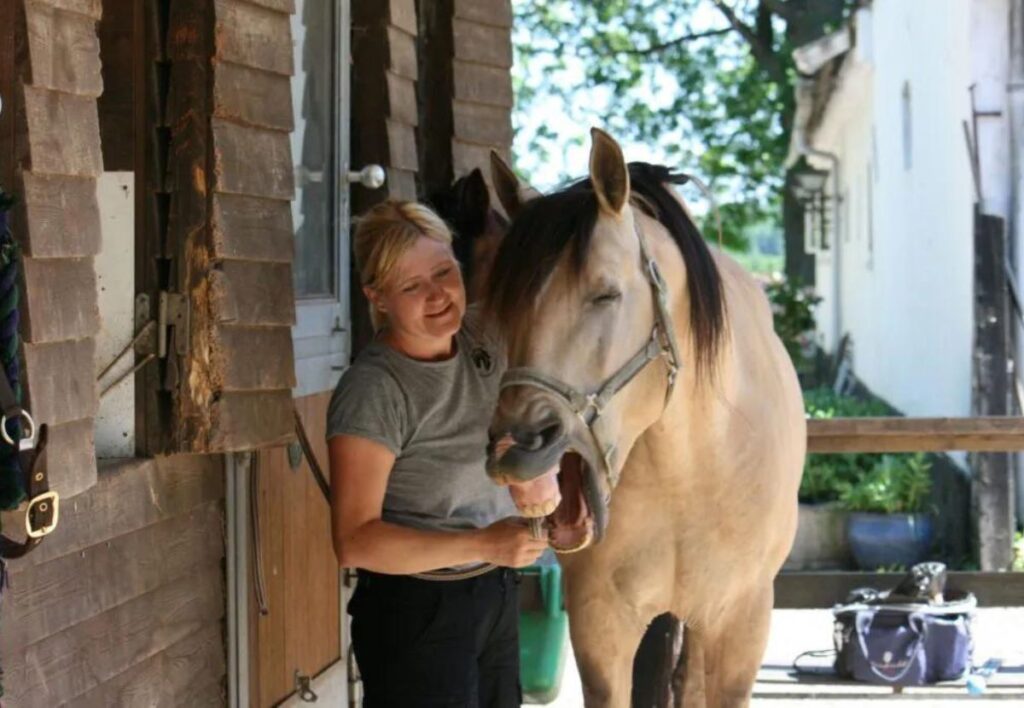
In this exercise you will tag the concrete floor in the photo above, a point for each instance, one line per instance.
(997, 633)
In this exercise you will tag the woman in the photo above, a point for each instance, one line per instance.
(433, 623)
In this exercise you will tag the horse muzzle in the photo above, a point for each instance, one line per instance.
(550, 480)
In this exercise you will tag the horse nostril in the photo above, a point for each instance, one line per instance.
(533, 440)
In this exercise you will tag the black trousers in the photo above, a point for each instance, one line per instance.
(425, 643)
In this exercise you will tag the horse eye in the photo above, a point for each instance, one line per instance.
(606, 298)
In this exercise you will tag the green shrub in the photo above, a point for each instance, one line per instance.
(897, 484)
(826, 477)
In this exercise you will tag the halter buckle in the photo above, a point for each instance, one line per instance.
(39, 502)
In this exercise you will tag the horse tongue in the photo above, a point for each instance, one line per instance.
(539, 496)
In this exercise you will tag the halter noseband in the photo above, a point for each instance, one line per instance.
(589, 406)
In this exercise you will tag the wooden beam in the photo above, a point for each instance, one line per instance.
(992, 491)
(895, 434)
(805, 591)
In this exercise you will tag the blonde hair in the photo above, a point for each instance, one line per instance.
(386, 232)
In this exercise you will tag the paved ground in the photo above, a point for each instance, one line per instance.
(997, 633)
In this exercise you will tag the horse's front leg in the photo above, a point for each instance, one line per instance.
(605, 633)
(733, 647)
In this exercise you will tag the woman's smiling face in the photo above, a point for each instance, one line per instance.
(425, 297)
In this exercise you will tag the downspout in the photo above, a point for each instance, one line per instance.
(1015, 109)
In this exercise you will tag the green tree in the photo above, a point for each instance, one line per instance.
(710, 82)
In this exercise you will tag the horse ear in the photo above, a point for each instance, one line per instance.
(608, 172)
(511, 192)
(475, 200)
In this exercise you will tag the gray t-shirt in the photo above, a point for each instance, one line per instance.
(433, 416)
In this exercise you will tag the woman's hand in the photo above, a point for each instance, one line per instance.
(509, 543)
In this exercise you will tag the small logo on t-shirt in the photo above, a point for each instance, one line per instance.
(482, 360)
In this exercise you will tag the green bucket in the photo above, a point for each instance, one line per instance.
(543, 630)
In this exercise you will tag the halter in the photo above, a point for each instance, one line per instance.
(588, 407)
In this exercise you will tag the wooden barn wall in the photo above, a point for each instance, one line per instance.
(466, 96)
(124, 604)
(385, 116)
(51, 109)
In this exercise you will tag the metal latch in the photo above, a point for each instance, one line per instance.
(302, 687)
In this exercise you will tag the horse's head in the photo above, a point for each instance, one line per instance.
(592, 351)
(478, 229)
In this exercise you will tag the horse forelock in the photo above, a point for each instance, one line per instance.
(550, 226)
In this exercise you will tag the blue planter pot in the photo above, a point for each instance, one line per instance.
(888, 539)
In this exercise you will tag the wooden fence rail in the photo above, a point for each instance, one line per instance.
(896, 434)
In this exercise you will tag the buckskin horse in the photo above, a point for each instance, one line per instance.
(650, 417)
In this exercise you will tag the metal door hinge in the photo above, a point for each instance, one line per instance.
(172, 313)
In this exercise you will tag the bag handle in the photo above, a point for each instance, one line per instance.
(915, 622)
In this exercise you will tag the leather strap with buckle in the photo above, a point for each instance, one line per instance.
(43, 510)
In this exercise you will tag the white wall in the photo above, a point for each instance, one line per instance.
(906, 302)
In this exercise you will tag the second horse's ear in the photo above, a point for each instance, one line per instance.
(512, 193)
(608, 172)
(475, 201)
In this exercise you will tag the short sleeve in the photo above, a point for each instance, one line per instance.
(368, 403)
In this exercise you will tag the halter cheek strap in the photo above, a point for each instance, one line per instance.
(588, 407)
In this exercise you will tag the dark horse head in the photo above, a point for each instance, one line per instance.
(478, 229)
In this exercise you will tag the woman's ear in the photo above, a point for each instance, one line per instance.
(374, 297)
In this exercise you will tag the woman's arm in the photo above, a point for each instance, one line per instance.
(359, 476)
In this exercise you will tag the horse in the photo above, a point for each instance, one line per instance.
(477, 228)
(651, 417)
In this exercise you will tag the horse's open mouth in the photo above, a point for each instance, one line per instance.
(559, 497)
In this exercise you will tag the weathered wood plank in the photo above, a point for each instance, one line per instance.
(253, 358)
(287, 6)
(70, 663)
(60, 215)
(62, 132)
(63, 49)
(488, 12)
(402, 105)
(402, 146)
(482, 125)
(245, 420)
(253, 36)
(466, 157)
(995, 434)
(483, 44)
(48, 598)
(401, 183)
(823, 590)
(993, 484)
(402, 54)
(252, 293)
(478, 83)
(252, 228)
(90, 8)
(60, 299)
(116, 105)
(61, 380)
(131, 494)
(233, 148)
(190, 673)
(252, 97)
(402, 14)
(70, 463)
